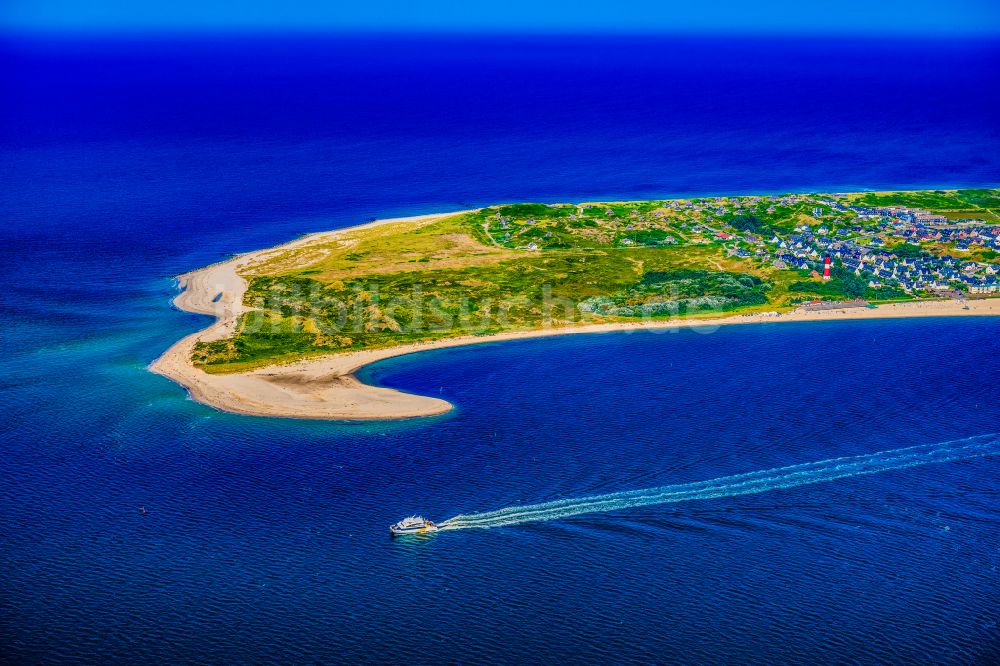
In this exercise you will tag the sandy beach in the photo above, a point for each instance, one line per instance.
(326, 387)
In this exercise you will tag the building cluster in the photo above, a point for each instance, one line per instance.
(862, 249)
(710, 208)
(901, 213)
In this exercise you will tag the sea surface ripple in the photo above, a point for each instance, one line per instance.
(124, 163)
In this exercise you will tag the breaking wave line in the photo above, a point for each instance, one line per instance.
(739, 484)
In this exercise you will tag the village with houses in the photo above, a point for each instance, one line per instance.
(886, 246)
(900, 244)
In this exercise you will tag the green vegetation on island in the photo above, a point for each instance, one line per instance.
(526, 266)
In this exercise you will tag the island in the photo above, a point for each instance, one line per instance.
(295, 322)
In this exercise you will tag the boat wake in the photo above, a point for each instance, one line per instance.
(739, 484)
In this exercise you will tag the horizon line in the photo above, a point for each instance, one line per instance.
(874, 32)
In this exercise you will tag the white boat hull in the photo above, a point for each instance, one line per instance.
(411, 526)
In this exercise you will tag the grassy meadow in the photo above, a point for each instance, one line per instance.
(526, 266)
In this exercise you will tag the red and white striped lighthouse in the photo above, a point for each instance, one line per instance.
(826, 269)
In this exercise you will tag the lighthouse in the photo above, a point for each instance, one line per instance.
(826, 269)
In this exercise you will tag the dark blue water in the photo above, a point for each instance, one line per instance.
(124, 163)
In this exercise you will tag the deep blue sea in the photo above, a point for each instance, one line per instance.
(125, 162)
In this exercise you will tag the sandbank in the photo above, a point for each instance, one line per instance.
(326, 387)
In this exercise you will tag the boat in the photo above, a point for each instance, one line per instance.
(413, 525)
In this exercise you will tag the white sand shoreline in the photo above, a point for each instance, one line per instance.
(325, 387)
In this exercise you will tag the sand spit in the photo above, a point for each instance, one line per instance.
(326, 388)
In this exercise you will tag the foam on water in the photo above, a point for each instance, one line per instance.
(739, 484)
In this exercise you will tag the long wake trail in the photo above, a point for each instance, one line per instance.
(739, 484)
